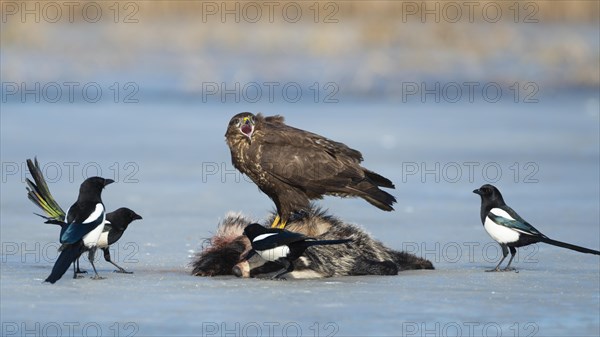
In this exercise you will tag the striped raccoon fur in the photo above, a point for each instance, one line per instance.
(226, 251)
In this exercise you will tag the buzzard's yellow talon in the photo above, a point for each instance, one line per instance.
(282, 225)
(275, 223)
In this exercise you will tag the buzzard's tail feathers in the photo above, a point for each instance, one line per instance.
(378, 180)
(379, 198)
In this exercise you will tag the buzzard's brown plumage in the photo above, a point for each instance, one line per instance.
(294, 166)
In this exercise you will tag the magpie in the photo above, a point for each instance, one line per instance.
(511, 231)
(84, 224)
(281, 246)
(114, 227)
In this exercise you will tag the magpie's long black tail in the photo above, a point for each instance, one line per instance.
(40, 195)
(325, 242)
(570, 246)
(67, 256)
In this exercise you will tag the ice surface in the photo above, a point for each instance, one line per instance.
(181, 181)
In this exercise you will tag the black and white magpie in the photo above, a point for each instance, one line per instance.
(116, 224)
(84, 224)
(507, 228)
(114, 227)
(281, 246)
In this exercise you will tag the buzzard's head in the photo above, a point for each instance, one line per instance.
(242, 124)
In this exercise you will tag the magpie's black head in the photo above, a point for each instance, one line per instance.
(122, 217)
(92, 187)
(490, 195)
(254, 230)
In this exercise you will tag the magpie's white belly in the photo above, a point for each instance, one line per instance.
(91, 239)
(103, 240)
(500, 233)
(274, 253)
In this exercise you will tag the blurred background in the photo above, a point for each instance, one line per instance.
(368, 48)
(439, 96)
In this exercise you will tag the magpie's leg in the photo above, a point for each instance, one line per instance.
(513, 252)
(107, 258)
(505, 254)
(79, 271)
(76, 270)
(91, 258)
(120, 269)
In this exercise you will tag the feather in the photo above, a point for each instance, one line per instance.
(40, 195)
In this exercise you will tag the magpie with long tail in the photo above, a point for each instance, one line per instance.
(84, 224)
(511, 231)
(281, 246)
(115, 225)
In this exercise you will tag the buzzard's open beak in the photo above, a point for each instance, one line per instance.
(247, 128)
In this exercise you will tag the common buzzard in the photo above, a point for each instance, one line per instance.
(294, 166)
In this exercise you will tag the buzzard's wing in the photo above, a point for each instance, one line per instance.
(310, 162)
(279, 133)
(313, 166)
(277, 119)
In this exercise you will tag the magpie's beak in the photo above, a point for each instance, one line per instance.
(108, 181)
(137, 217)
(477, 191)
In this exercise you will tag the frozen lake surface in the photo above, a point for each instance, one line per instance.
(172, 166)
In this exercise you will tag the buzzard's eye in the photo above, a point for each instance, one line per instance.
(237, 122)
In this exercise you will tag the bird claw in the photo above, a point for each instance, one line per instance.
(502, 270)
(122, 271)
(97, 277)
(81, 272)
